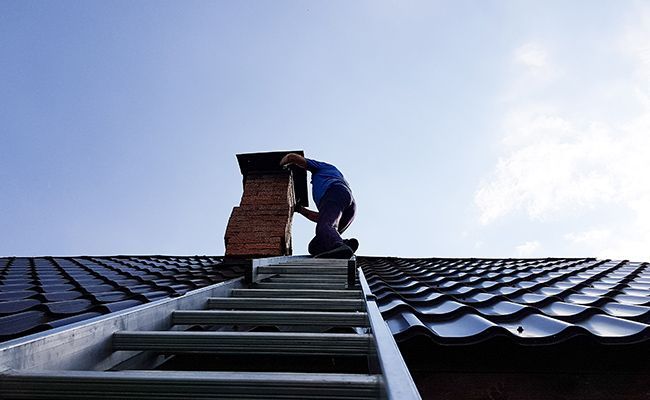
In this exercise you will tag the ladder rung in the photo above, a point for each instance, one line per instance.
(284, 318)
(256, 303)
(315, 262)
(307, 279)
(303, 270)
(245, 342)
(315, 285)
(298, 293)
(186, 385)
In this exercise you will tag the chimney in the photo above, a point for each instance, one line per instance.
(261, 225)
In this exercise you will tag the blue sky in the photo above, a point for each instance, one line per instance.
(466, 128)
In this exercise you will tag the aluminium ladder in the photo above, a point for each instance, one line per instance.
(304, 307)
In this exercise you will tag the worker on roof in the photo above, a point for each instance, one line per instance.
(336, 208)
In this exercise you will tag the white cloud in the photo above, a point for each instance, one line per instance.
(550, 164)
(557, 161)
(532, 55)
(635, 44)
(593, 236)
(527, 249)
(533, 66)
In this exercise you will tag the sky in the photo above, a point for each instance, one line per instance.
(465, 128)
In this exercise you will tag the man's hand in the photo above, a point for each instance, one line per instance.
(309, 214)
(293, 158)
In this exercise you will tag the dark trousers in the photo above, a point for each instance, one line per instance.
(335, 214)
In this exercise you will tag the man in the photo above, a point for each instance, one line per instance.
(336, 208)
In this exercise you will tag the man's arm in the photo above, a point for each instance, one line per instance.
(309, 214)
(297, 159)
(293, 158)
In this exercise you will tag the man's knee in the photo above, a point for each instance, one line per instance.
(312, 248)
(315, 246)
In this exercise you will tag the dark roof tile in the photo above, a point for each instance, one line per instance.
(69, 320)
(501, 308)
(21, 323)
(44, 292)
(636, 300)
(121, 305)
(626, 310)
(59, 296)
(58, 288)
(109, 297)
(16, 286)
(66, 307)
(611, 327)
(98, 288)
(150, 296)
(17, 295)
(531, 301)
(466, 325)
(16, 306)
(537, 326)
(561, 309)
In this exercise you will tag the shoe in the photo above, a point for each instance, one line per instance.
(352, 243)
(342, 252)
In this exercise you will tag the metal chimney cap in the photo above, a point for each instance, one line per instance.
(269, 162)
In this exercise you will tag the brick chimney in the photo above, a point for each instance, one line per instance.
(261, 225)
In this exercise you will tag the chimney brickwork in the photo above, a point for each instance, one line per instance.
(261, 225)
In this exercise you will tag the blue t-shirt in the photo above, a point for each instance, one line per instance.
(323, 175)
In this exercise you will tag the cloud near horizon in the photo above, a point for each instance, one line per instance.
(527, 249)
(556, 162)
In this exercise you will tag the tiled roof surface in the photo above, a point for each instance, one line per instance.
(531, 301)
(47, 292)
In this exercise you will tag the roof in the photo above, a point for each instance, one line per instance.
(450, 301)
(530, 301)
(39, 293)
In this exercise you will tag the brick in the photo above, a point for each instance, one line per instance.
(261, 224)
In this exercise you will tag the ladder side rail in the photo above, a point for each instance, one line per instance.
(87, 345)
(352, 271)
(255, 274)
(398, 383)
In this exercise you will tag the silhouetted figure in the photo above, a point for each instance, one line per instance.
(336, 208)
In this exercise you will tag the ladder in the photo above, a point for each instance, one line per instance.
(297, 331)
